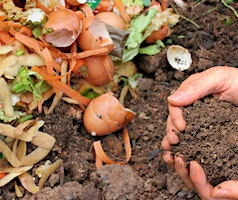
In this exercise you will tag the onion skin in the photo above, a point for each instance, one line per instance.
(100, 69)
(64, 25)
(105, 115)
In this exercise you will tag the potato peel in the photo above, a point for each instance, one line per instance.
(16, 156)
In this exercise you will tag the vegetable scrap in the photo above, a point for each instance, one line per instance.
(101, 156)
(77, 51)
(16, 161)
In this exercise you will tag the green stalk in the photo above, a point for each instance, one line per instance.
(230, 7)
(183, 17)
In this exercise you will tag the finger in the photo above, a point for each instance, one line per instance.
(171, 135)
(211, 81)
(198, 178)
(165, 144)
(189, 91)
(227, 189)
(168, 158)
(170, 126)
(183, 171)
(176, 118)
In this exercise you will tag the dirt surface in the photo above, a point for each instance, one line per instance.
(211, 138)
(146, 176)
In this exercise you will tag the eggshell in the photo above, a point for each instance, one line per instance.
(65, 26)
(112, 19)
(179, 57)
(94, 35)
(105, 115)
(100, 70)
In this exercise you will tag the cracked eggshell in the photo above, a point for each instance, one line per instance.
(62, 28)
(179, 57)
(94, 35)
(112, 19)
(100, 69)
(105, 115)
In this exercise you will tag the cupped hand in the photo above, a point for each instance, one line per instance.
(222, 82)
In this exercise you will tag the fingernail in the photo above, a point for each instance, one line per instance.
(219, 193)
(177, 96)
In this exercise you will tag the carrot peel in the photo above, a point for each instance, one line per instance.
(58, 85)
(2, 174)
(101, 156)
(119, 5)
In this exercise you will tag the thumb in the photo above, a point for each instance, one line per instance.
(199, 85)
(189, 91)
(226, 189)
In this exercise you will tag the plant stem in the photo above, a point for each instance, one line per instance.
(230, 7)
(183, 17)
(209, 11)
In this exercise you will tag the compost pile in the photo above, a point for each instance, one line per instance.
(208, 29)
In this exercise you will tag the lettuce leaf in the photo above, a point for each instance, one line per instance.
(17, 115)
(137, 27)
(29, 81)
(152, 49)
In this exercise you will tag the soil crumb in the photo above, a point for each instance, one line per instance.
(211, 138)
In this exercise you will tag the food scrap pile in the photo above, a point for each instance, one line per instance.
(76, 51)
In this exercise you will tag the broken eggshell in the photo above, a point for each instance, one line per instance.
(105, 115)
(94, 35)
(112, 19)
(100, 70)
(179, 57)
(62, 28)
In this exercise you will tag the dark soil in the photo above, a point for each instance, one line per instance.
(211, 138)
(146, 176)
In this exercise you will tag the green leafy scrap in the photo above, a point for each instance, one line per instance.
(138, 25)
(134, 80)
(29, 81)
(152, 49)
(5, 119)
(20, 52)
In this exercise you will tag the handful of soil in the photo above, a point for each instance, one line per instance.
(211, 138)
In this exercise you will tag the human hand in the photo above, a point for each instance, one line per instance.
(219, 81)
(195, 179)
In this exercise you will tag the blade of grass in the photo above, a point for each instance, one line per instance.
(183, 17)
(230, 7)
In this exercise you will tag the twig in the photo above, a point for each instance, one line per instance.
(183, 17)
(230, 7)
